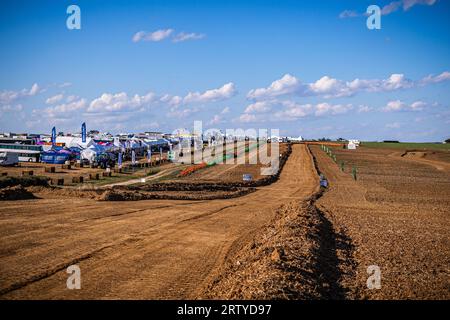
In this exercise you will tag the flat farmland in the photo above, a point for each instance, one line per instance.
(397, 215)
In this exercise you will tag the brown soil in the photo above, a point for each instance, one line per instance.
(233, 172)
(298, 255)
(438, 159)
(150, 249)
(396, 215)
(15, 193)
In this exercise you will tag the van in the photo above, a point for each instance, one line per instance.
(9, 158)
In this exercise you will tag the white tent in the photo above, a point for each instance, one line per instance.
(88, 154)
(75, 142)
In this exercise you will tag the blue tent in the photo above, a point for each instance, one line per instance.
(54, 157)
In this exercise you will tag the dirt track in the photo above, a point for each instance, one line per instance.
(141, 250)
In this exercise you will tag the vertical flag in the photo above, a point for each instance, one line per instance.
(83, 132)
(53, 136)
(119, 161)
(133, 157)
(160, 154)
(149, 154)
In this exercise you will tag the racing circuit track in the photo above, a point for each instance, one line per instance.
(153, 249)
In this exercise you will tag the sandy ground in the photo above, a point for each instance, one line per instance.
(397, 217)
(135, 250)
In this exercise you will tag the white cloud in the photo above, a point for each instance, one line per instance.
(152, 36)
(54, 99)
(407, 4)
(418, 105)
(12, 108)
(34, 90)
(225, 92)
(245, 118)
(172, 101)
(288, 84)
(348, 14)
(7, 97)
(108, 102)
(395, 105)
(289, 110)
(364, 108)
(444, 76)
(390, 7)
(182, 113)
(183, 36)
(294, 111)
(225, 110)
(215, 120)
(398, 105)
(326, 108)
(259, 107)
(64, 110)
(65, 84)
(71, 98)
(329, 87)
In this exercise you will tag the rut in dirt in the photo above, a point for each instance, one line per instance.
(297, 255)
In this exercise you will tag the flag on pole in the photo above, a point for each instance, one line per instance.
(133, 157)
(119, 160)
(83, 132)
(149, 154)
(53, 136)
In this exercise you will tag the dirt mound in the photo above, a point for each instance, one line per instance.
(295, 256)
(58, 192)
(15, 193)
(414, 154)
(135, 195)
(23, 181)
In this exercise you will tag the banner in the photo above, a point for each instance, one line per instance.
(83, 132)
(149, 155)
(119, 160)
(133, 157)
(54, 135)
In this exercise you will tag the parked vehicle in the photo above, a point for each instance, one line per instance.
(9, 158)
(25, 152)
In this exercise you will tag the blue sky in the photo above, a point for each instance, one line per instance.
(307, 68)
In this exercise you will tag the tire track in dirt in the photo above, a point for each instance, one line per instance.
(155, 255)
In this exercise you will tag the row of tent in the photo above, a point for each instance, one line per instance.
(96, 152)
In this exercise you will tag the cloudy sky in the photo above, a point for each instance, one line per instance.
(307, 68)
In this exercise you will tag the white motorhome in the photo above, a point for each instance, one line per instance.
(355, 142)
(9, 158)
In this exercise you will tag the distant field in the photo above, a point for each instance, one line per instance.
(407, 145)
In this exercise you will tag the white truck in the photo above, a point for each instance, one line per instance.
(9, 158)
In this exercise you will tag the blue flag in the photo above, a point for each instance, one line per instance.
(119, 160)
(149, 154)
(83, 132)
(53, 135)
